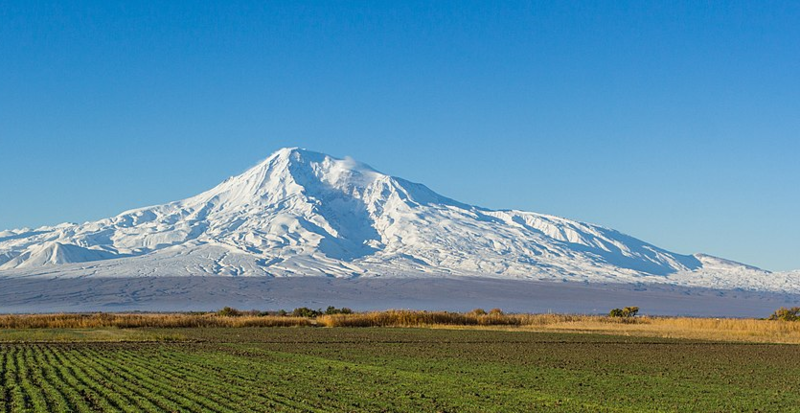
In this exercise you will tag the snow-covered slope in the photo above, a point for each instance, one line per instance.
(305, 213)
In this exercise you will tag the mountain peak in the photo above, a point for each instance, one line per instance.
(293, 154)
(294, 161)
(294, 171)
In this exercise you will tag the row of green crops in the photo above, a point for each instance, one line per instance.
(397, 370)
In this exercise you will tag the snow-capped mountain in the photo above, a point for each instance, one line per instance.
(302, 213)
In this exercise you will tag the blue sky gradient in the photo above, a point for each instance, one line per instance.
(675, 122)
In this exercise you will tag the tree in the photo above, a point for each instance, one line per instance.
(786, 314)
(331, 310)
(626, 312)
(630, 311)
(478, 311)
(306, 312)
(229, 312)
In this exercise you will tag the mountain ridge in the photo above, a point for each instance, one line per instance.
(304, 213)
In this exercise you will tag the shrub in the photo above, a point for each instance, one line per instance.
(305, 312)
(478, 311)
(331, 310)
(495, 311)
(229, 312)
(786, 314)
(630, 311)
(624, 312)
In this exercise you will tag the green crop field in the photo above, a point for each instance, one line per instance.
(390, 369)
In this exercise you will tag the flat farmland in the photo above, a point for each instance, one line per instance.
(391, 370)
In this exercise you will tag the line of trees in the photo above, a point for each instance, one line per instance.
(297, 312)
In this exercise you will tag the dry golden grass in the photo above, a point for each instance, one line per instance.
(715, 329)
(98, 320)
(407, 318)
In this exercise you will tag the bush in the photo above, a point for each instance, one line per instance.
(786, 314)
(630, 311)
(478, 311)
(331, 310)
(626, 312)
(229, 312)
(495, 311)
(305, 312)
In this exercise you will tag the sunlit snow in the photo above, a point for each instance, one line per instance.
(302, 213)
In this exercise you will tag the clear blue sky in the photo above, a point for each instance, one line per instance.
(676, 122)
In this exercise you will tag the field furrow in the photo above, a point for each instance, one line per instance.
(50, 383)
(395, 370)
(247, 389)
(77, 380)
(62, 380)
(4, 394)
(46, 398)
(19, 401)
(200, 392)
(222, 391)
(115, 387)
(268, 377)
(168, 395)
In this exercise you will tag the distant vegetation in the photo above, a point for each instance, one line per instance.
(303, 316)
(224, 318)
(786, 314)
(331, 310)
(624, 312)
(619, 321)
(407, 318)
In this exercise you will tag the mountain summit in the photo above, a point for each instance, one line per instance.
(304, 213)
